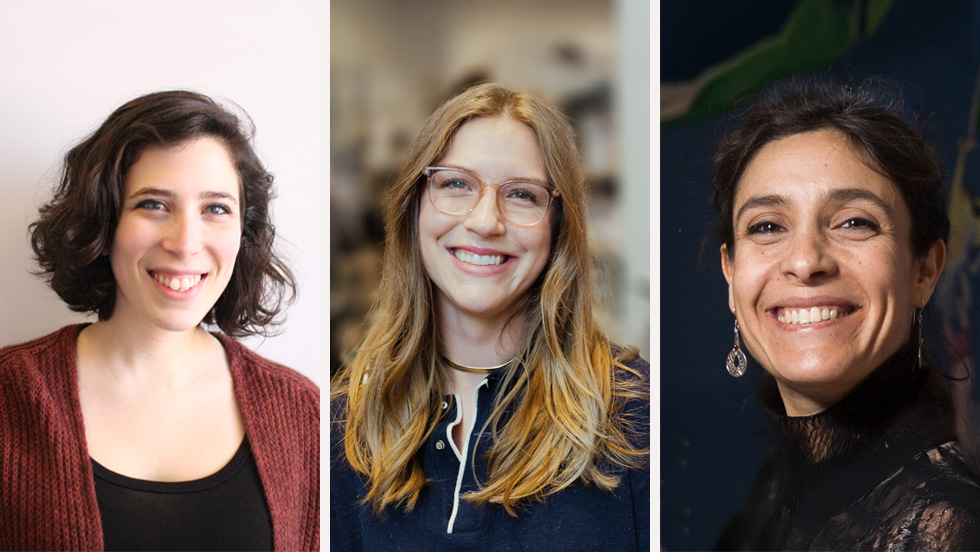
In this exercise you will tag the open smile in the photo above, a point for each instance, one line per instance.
(178, 282)
(479, 260)
(811, 315)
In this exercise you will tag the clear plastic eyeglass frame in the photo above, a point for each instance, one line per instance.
(429, 171)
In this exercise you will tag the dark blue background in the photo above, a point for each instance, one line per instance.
(713, 436)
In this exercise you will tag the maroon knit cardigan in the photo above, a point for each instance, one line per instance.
(47, 493)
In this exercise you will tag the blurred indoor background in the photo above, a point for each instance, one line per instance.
(392, 63)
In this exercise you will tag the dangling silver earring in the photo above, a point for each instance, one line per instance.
(919, 322)
(736, 361)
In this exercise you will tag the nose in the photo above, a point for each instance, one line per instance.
(809, 256)
(486, 219)
(183, 236)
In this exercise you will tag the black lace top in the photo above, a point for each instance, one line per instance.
(881, 470)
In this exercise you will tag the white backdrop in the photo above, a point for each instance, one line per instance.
(65, 65)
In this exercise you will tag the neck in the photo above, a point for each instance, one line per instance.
(480, 342)
(132, 351)
(798, 404)
(814, 398)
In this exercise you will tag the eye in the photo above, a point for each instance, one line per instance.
(858, 223)
(455, 184)
(151, 205)
(526, 195)
(217, 209)
(765, 227)
(523, 194)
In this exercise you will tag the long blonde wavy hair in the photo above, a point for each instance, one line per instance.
(567, 397)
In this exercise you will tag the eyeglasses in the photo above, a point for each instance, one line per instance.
(457, 192)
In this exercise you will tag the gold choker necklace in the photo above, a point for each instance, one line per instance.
(474, 369)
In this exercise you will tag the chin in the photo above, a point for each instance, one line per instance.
(822, 371)
(178, 323)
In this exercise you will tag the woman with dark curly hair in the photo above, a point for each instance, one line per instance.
(833, 229)
(143, 430)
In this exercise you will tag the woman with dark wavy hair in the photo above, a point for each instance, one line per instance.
(143, 430)
(484, 409)
(834, 229)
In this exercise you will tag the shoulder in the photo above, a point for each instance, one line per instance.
(42, 349)
(630, 408)
(39, 363)
(254, 369)
(268, 388)
(39, 388)
(630, 366)
(631, 378)
(948, 473)
(939, 505)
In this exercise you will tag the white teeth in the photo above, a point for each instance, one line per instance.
(807, 316)
(481, 260)
(178, 284)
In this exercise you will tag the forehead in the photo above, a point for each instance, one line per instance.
(199, 163)
(809, 168)
(496, 149)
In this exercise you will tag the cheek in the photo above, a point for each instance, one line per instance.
(226, 246)
(750, 274)
(129, 240)
(428, 232)
(433, 225)
(537, 242)
(229, 243)
(899, 281)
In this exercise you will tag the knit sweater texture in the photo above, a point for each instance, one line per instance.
(47, 491)
(880, 470)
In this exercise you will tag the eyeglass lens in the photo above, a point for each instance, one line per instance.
(455, 193)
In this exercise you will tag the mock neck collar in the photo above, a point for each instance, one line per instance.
(890, 410)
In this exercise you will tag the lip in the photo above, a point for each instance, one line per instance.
(178, 273)
(478, 250)
(809, 302)
(170, 273)
(844, 306)
(481, 270)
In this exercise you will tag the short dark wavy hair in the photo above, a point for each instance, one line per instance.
(77, 226)
(872, 116)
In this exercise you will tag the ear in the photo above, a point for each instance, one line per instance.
(726, 267)
(927, 272)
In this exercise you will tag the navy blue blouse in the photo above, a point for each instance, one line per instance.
(577, 518)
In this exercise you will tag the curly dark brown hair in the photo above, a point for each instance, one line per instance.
(77, 226)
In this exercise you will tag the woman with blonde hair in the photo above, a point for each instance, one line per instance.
(484, 406)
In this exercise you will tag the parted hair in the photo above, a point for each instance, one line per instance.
(563, 417)
(75, 230)
(872, 116)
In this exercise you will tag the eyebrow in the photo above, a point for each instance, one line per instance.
(759, 201)
(840, 195)
(518, 179)
(169, 194)
(851, 194)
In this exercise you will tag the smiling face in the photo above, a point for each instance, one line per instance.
(823, 280)
(481, 264)
(179, 232)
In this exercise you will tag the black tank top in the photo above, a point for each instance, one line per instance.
(223, 511)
